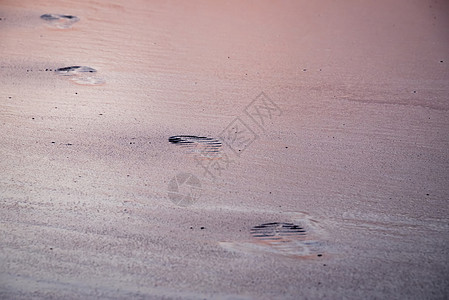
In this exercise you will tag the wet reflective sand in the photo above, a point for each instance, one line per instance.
(308, 156)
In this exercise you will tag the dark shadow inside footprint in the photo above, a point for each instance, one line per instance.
(185, 139)
(204, 145)
(277, 231)
(52, 17)
(73, 70)
(192, 139)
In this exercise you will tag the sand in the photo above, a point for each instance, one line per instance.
(331, 123)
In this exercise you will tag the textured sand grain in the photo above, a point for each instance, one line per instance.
(357, 153)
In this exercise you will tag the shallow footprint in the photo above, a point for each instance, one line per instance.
(81, 75)
(204, 146)
(60, 21)
(297, 239)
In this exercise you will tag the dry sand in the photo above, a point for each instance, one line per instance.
(354, 150)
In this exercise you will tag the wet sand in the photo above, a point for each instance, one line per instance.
(315, 164)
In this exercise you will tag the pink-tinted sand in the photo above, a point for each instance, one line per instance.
(354, 147)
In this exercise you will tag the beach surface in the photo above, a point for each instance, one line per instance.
(308, 159)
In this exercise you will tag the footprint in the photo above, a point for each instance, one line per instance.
(81, 75)
(297, 239)
(60, 21)
(286, 238)
(277, 231)
(205, 147)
